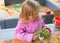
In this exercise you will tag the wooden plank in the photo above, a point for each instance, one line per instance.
(56, 13)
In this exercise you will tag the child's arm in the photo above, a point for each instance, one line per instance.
(21, 34)
(42, 24)
(47, 30)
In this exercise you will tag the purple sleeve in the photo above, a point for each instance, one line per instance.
(21, 34)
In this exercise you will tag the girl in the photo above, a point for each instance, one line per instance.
(29, 22)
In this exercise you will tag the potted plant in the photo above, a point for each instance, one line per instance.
(41, 37)
(43, 34)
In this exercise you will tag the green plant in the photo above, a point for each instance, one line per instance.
(42, 33)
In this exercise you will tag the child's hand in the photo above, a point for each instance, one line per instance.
(35, 37)
(47, 30)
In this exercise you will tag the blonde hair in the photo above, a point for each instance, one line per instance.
(29, 7)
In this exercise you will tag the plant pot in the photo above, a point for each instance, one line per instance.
(57, 21)
(41, 38)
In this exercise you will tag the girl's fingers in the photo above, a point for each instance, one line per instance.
(35, 37)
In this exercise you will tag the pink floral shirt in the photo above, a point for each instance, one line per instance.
(26, 31)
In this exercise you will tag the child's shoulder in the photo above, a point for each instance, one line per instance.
(19, 22)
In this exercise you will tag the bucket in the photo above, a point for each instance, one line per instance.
(57, 21)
